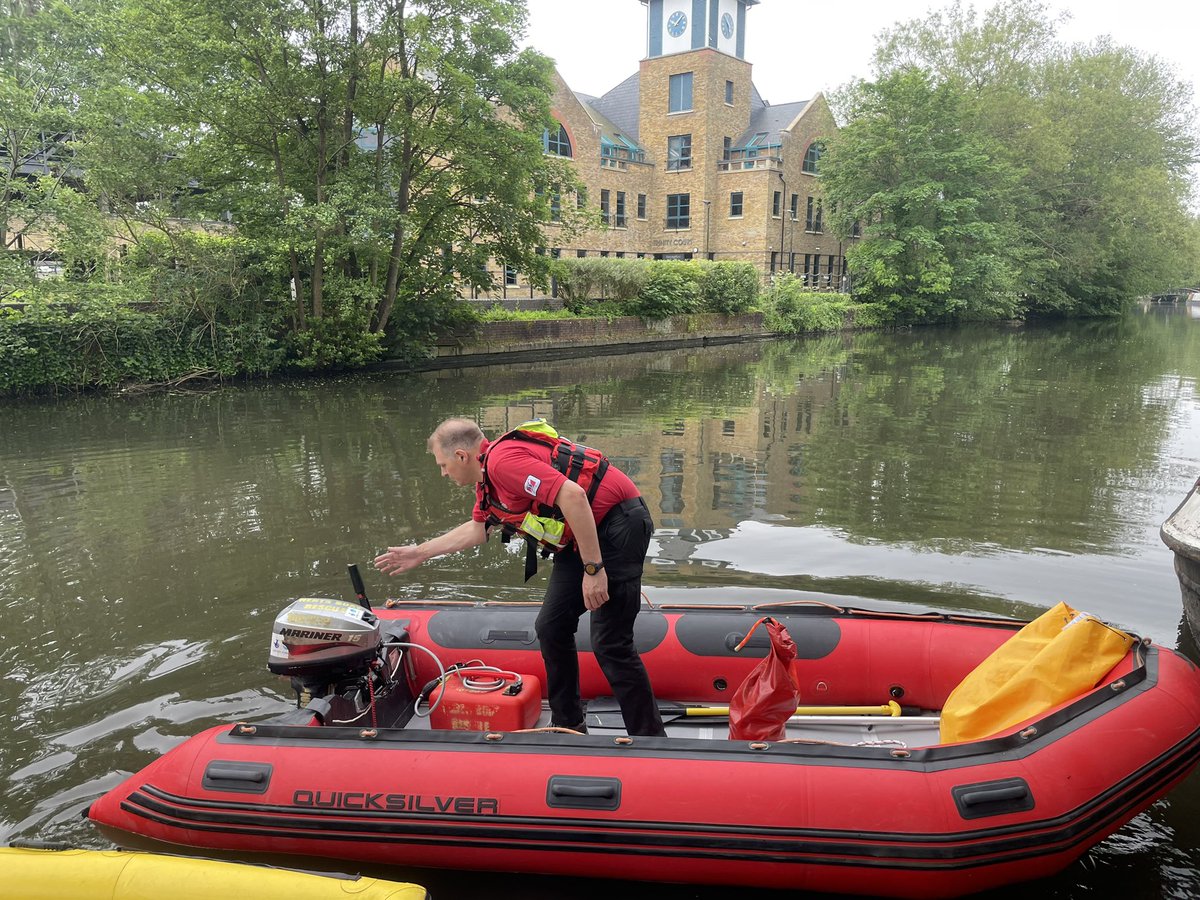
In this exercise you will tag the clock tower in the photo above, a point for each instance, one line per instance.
(677, 26)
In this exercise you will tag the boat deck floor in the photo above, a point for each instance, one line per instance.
(604, 718)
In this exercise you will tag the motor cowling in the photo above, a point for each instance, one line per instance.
(345, 664)
(323, 640)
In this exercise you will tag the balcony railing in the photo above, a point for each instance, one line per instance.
(619, 158)
(744, 163)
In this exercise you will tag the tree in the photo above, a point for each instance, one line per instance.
(933, 200)
(38, 112)
(1088, 150)
(380, 153)
(1117, 198)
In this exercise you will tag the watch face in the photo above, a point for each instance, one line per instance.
(727, 25)
(676, 24)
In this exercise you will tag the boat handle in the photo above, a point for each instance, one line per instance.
(582, 792)
(993, 798)
(524, 636)
(757, 641)
(567, 790)
(240, 777)
(994, 795)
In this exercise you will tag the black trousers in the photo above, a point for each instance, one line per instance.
(624, 539)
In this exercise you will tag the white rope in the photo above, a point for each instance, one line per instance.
(500, 678)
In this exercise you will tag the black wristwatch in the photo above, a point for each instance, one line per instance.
(593, 568)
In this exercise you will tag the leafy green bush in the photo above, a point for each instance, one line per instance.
(74, 335)
(582, 283)
(655, 289)
(671, 289)
(17, 354)
(98, 343)
(729, 288)
(341, 338)
(792, 309)
(426, 306)
(208, 269)
(868, 315)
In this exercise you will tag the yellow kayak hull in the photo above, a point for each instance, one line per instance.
(133, 875)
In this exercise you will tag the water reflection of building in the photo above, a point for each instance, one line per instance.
(710, 471)
(677, 546)
(495, 420)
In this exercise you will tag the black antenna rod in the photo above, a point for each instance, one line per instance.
(360, 590)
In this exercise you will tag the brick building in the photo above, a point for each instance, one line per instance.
(686, 160)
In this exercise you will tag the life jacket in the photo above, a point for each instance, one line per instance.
(539, 524)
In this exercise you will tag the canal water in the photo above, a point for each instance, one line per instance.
(147, 541)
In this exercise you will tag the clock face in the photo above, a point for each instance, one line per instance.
(727, 25)
(676, 24)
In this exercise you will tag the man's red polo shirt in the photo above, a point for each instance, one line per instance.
(520, 474)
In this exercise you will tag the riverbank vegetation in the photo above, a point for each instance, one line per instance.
(997, 173)
(349, 167)
(296, 187)
(656, 289)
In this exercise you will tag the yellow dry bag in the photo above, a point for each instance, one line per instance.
(1056, 657)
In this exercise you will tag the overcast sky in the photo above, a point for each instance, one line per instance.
(798, 48)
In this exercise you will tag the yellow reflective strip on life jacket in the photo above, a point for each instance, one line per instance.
(539, 426)
(544, 529)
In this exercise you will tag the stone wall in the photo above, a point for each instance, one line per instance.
(493, 341)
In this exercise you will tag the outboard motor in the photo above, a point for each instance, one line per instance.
(341, 667)
(321, 642)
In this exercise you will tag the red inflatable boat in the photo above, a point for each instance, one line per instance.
(854, 800)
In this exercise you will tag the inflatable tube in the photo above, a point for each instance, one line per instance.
(131, 875)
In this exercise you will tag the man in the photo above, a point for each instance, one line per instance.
(571, 500)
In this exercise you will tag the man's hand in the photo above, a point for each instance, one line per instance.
(399, 559)
(402, 559)
(573, 501)
(595, 590)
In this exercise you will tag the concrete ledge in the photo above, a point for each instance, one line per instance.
(548, 339)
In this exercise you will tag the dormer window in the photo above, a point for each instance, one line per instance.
(755, 143)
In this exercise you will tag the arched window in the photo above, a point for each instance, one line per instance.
(813, 157)
(556, 142)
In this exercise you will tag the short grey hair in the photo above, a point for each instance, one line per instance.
(456, 434)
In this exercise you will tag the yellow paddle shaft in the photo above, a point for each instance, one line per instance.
(891, 708)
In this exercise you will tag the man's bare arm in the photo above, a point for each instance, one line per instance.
(573, 502)
(402, 559)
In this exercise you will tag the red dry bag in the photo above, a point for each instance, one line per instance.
(768, 697)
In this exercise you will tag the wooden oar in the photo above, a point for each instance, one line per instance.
(608, 717)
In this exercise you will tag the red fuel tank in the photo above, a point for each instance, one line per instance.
(491, 701)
